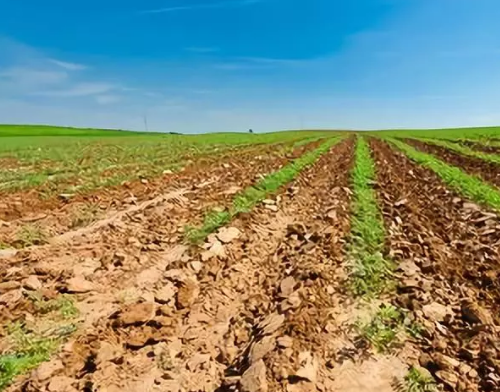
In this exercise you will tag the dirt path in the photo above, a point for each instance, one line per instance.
(78, 213)
(488, 171)
(197, 319)
(449, 255)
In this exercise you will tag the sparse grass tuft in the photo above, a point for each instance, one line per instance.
(27, 350)
(371, 271)
(383, 328)
(85, 216)
(31, 234)
(470, 186)
(213, 220)
(246, 200)
(62, 304)
(417, 381)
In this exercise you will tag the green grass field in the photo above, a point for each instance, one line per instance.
(73, 160)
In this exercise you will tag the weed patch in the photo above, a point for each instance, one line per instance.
(31, 234)
(27, 350)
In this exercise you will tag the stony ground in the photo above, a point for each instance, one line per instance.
(264, 303)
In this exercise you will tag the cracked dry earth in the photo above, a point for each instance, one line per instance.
(55, 216)
(448, 251)
(122, 249)
(261, 306)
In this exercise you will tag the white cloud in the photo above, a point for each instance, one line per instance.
(29, 76)
(68, 66)
(225, 4)
(107, 99)
(80, 90)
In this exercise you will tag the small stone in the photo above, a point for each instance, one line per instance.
(309, 367)
(474, 314)
(287, 285)
(217, 249)
(464, 369)
(61, 384)
(446, 363)
(197, 361)
(166, 293)
(79, 285)
(448, 378)
(66, 196)
(196, 266)
(271, 323)
(227, 235)
(268, 202)
(436, 312)
(168, 171)
(138, 313)
(188, 293)
(471, 207)
(10, 285)
(144, 181)
(285, 341)
(260, 349)
(254, 379)
(108, 352)
(47, 369)
(32, 283)
(400, 202)
(271, 207)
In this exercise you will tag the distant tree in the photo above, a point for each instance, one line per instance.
(250, 131)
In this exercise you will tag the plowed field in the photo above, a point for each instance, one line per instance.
(321, 262)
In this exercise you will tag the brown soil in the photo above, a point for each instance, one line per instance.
(489, 172)
(253, 299)
(449, 254)
(81, 211)
(28, 203)
(481, 146)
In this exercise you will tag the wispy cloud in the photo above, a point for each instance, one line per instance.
(197, 49)
(30, 76)
(245, 63)
(107, 99)
(80, 90)
(224, 4)
(67, 65)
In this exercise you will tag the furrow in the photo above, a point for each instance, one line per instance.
(487, 169)
(147, 245)
(448, 254)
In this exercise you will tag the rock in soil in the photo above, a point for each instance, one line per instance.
(436, 312)
(32, 283)
(187, 294)
(227, 235)
(79, 285)
(254, 379)
(138, 314)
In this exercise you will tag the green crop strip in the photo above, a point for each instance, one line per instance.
(246, 200)
(470, 186)
(463, 150)
(371, 271)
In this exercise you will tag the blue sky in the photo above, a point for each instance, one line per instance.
(230, 65)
